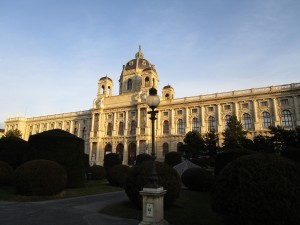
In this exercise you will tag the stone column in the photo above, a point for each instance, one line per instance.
(276, 118)
(187, 120)
(236, 110)
(138, 122)
(220, 121)
(203, 125)
(172, 125)
(256, 120)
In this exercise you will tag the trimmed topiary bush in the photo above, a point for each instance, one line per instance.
(6, 174)
(258, 189)
(98, 172)
(118, 175)
(111, 160)
(291, 153)
(197, 179)
(142, 158)
(62, 147)
(226, 157)
(138, 177)
(40, 177)
(12, 150)
(173, 158)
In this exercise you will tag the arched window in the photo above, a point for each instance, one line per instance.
(180, 126)
(120, 151)
(166, 127)
(247, 122)
(227, 119)
(109, 90)
(167, 96)
(211, 124)
(131, 153)
(266, 120)
(102, 89)
(75, 131)
(286, 118)
(129, 84)
(179, 147)
(109, 129)
(107, 149)
(121, 128)
(147, 82)
(165, 148)
(195, 124)
(83, 133)
(133, 127)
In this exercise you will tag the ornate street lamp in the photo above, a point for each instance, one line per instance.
(153, 194)
(153, 101)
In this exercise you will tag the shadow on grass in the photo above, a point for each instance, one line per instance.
(91, 188)
(191, 208)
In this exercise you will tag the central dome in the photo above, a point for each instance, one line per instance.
(139, 62)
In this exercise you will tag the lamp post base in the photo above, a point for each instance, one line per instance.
(153, 206)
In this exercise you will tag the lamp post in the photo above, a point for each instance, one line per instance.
(153, 101)
(153, 194)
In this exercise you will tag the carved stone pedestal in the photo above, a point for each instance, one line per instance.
(153, 206)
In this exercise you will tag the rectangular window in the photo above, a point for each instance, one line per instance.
(132, 113)
(165, 113)
(194, 110)
(264, 104)
(210, 109)
(179, 112)
(227, 107)
(245, 105)
(284, 101)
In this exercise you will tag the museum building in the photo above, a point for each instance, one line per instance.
(120, 123)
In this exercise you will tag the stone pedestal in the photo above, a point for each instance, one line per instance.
(153, 206)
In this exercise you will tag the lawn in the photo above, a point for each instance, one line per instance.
(190, 209)
(91, 188)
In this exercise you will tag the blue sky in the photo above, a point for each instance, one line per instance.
(53, 52)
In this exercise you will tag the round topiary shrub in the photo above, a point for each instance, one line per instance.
(6, 174)
(258, 189)
(226, 157)
(98, 172)
(40, 177)
(118, 175)
(142, 158)
(111, 160)
(173, 158)
(138, 177)
(197, 179)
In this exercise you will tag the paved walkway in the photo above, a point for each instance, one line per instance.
(71, 211)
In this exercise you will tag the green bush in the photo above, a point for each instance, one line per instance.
(142, 158)
(62, 147)
(202, 162)
(6, 174)
(173, 158)
(258, 189)
(197, 179)
(118, 175)
(98, 172)
(111, 160)
(291, 153)
(12, 150)
(226, 157)
(40, 177)
(138, 177)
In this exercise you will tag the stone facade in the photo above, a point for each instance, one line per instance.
(121, 124)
